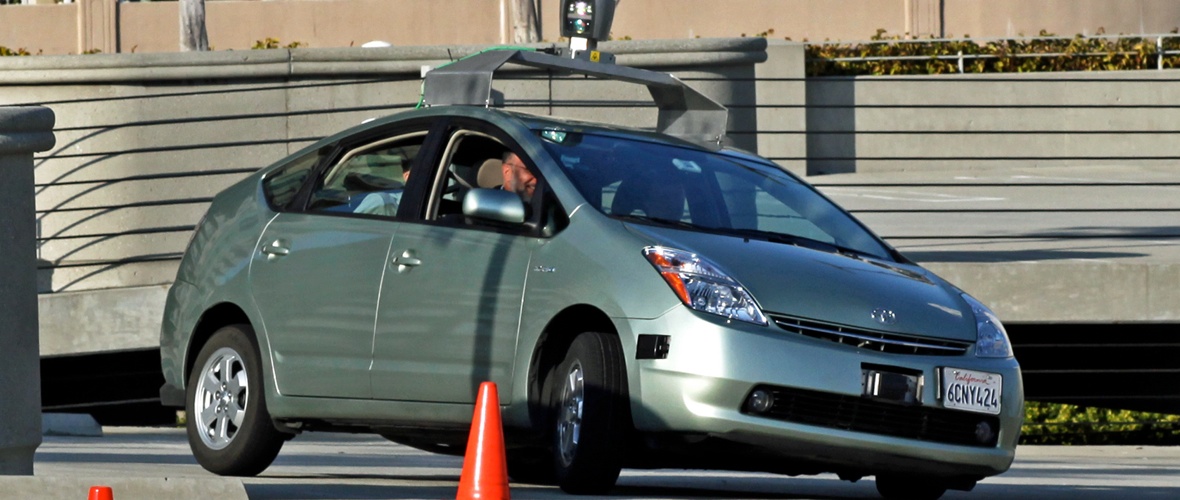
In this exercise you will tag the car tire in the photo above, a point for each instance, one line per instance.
(591, 414)
(909, 488)
(229, 428)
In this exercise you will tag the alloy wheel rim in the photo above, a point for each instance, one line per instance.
(569, 419)
(221, 398)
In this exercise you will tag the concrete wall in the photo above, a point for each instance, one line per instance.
(145, 140)
(781, 102)
(873, 124)
(1051, 196)
(41, 28)
(992, 18)
(237, 24)
(339, 23)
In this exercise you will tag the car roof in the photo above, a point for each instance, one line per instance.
(505, 117)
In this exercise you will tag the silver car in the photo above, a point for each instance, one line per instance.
(640, 301)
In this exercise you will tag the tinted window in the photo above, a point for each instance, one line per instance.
(281, 186)
(688, 188)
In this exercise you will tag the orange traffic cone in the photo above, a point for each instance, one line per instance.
(485, 466)
(101, 493)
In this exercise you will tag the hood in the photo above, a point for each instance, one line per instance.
(827, 287)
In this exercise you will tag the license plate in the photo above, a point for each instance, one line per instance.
(971, 390)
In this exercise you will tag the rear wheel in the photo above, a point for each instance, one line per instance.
(229, 429)
(591, 416)
(909, 488)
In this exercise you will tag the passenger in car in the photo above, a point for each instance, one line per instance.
(384, 202)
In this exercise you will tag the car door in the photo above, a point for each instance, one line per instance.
(316, 274)
(450, 307)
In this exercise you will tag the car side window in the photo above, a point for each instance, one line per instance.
(472, 160)
(476, 160)
(281, 186)
(368, 180)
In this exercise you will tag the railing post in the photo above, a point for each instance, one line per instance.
(1159, 52)
(23, 131)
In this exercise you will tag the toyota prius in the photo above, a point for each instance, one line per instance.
(641, 300)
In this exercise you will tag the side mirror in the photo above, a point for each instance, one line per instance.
(494, 205)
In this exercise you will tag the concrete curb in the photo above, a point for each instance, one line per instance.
(72, 488)
(69, 424)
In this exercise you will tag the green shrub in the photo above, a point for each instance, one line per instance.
(1049, 423)
(274, 43)
(1018, 55)
(5, 51)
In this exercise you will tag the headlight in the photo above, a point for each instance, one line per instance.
(993, 339)
(702, 286)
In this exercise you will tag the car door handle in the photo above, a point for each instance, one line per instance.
(277, 248)
(405, 261)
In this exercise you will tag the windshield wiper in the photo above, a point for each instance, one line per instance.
(801, 241)
(676, 223)
(788, 239)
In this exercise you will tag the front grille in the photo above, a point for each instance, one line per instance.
(870, 339)
(862, 414)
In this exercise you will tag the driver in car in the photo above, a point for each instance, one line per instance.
(517, 177)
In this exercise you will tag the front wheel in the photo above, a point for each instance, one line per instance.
(229, 429)
(592, 414)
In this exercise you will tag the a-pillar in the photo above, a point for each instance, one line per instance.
(23, 131)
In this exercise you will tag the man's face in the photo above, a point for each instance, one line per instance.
(517, 177)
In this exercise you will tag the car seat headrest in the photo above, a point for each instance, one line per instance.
(491, 173)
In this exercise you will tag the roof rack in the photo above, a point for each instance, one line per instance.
(683, 112)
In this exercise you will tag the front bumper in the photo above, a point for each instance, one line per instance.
(712, 366)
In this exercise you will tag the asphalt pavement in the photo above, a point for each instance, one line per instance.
(343, 466)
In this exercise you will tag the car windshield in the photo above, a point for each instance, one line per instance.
(660, 184)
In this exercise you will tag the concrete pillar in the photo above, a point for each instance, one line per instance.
(23, 131)
(782, 93)
(98, 26)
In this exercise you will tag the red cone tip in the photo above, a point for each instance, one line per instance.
(101, 493)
